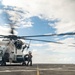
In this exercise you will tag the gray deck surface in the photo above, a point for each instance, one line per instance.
(40, 69)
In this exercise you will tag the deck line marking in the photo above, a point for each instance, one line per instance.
(40, 69)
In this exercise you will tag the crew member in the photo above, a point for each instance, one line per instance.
(28, 59)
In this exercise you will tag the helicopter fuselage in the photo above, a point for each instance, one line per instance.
(9, 53)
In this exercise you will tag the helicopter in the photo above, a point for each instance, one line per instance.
(12, 50)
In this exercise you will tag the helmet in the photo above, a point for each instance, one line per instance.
(30, 52)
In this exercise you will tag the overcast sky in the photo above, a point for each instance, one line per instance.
(42, 17)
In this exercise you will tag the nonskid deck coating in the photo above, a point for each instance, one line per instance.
(43, 69)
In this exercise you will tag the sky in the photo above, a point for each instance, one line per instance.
(35, 17)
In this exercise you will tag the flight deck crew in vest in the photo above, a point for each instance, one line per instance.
(29, 58)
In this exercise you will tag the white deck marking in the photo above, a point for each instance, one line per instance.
(17, 70)
(40, 69)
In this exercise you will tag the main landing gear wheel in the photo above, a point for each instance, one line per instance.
(3, 63)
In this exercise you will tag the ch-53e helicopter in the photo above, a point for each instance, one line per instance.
(12, 47)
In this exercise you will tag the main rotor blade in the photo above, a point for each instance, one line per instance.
(71, 45)
(2, 35)
(44, 41)
(62, 34)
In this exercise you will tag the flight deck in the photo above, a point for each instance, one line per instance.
(38, 69)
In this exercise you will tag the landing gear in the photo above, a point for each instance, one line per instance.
(3, 63)
(29, 63)
(5, 58)
(24, 64)
(27, 60)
